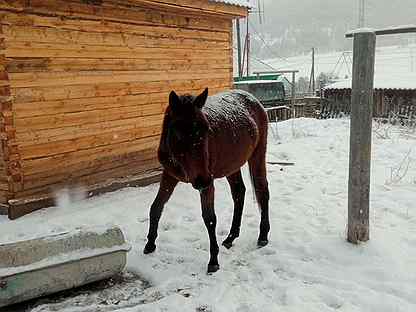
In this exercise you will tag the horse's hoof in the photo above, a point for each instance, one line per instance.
(227, 244)
(212, 268)
(262, 243)
(149, 248)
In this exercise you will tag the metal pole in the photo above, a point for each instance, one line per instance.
(360, 136)
(239, 47)
(313, 71)
(311, 88)
(293, 94)
(412, 57)
(248, 49)
(361, 17)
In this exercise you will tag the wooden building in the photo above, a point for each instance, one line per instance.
(84, 84)
(394, 97)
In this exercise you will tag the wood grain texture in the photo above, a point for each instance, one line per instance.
(360, 137)
(10, 166)
(84, 85)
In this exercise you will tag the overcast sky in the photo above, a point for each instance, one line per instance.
(293, 26)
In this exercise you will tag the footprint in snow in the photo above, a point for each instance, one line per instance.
(267, 251)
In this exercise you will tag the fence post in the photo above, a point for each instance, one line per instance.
(360, 136)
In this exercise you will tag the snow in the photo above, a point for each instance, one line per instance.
(398, 61)
(402, 81)
(361, 30)
(403, 28)
(244, 3)
(308, 265)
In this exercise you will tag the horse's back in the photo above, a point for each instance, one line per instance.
(238, 125)
(235, 106)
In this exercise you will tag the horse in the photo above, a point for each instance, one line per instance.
(205, 138)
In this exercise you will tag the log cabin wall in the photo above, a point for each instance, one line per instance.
(8, 161)
(85, 84)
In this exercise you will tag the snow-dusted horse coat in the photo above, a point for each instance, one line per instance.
(205, 138)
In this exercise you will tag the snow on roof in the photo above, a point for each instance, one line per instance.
(402, 81)
(256, 81)
(243, 3)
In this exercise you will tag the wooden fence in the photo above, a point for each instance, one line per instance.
(392, 104)
(303, 107)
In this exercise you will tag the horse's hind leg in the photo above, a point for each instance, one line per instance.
(167, 185)
(238, 191)
(257, 165)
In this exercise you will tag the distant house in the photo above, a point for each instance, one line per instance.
(393, 96)
(84, 85)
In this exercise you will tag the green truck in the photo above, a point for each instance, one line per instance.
(271, 90)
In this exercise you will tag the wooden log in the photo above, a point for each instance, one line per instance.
(46, 64)
(145, 117)
(85, 79)
(200, 6)
(50, 186)
(26, 205)
(149, 104)
(22, 50)
(71, 173)
(48, 79)
(10, 170)
(126, 14)
(100, 26)
(66, 159)
(44, 136)
(87, 142)
(116, 89)
(190, 8)
(360, 137)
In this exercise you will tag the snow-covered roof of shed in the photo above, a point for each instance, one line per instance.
(243, 3)
(402, 81)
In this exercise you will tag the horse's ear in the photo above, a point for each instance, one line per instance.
(173, 100)
(201, 99)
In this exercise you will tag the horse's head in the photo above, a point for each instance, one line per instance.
(187, 136)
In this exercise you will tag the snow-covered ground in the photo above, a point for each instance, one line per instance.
(308, 265)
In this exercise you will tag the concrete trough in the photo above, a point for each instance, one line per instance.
(41, 266)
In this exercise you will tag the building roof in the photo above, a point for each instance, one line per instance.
(260, 79)
(255, 82)
(243, 3)
(399, 82)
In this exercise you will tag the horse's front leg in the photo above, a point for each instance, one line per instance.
(210, 220)
(167, 185)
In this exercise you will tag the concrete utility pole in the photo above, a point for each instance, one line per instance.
(360, 136)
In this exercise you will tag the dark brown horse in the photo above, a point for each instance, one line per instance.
(205, 138)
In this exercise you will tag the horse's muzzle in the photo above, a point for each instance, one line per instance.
(201, 183)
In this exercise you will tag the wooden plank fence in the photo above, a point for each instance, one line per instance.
(394, 105)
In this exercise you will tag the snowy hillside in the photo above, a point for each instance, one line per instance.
(308, 265)
(393, 60)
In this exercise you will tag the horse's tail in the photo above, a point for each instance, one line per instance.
(257, 161)
(253, 189)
